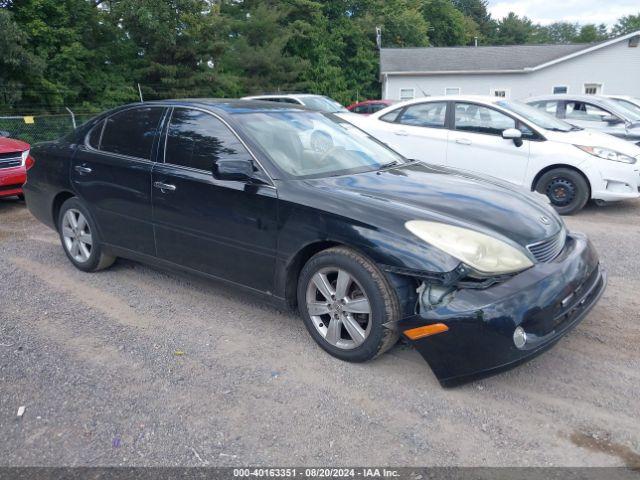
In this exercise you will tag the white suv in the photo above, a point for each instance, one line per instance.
(512, 141)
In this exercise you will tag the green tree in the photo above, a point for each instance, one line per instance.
(18, 66)
(628, 24)
(514, 30)
(447, 25)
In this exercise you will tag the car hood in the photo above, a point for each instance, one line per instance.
(9, 145)
(593, 138)
(422, 192)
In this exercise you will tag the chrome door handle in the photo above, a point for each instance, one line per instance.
(81, 169)
(164, 186)
(402, 133)
(463, 141)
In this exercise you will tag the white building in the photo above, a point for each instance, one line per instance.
(519, 71)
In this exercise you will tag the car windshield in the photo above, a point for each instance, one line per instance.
(628, 105)
(313, 145)
(623, 111)
(322, 104)
(537, 116)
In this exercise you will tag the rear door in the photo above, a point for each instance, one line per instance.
(418, 131)
(223, 228)
(476, 143)
(111, 172)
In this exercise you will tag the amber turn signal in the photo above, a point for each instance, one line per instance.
(426, 331)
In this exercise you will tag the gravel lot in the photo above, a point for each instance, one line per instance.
(135, 366)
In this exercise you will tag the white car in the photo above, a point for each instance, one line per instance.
(511, 141)
(631, 103)
(319, 103)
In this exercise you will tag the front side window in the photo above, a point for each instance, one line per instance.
(550, 107)
(425, 115)
(196, 139)
(306, 144)
(361, 109)
(585, 112)
(479, 119)
(131, 132)
(376, 107)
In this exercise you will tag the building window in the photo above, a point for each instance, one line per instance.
(592, 88)
(407, 94)
(560, 90)
(452, 91)
(500, 92)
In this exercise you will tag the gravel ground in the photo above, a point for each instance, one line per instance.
(135, 366)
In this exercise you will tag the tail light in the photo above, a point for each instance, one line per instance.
(27, 160)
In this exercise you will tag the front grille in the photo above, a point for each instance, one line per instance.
(10, 160)
(547, 250)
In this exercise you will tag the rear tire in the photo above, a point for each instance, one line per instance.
(79, 236)
(568, 191)
(347, 320)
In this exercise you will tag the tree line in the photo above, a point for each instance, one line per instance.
(93, 54)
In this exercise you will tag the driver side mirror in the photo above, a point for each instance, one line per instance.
(233, 169)
(611, 119)
(513, 134)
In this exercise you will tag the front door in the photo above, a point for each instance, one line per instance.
(476, 144)
(588, 115)
(223, 228)
(112, 173)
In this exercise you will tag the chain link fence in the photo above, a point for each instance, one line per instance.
(40, 128)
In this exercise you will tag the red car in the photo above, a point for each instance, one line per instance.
(14, 163)
(369, 106)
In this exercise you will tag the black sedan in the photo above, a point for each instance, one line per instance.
(310, 212)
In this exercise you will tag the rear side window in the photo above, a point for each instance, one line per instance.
(376, 107)
(479, 119)
(131, 132)
(585, 112)
(361, 109)
(196, 139)
(425, 115)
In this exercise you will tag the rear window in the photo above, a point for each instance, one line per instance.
(131, 132)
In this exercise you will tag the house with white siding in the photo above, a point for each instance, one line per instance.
(518, 71)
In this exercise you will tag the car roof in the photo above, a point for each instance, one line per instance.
(225, 105)
(281, 95)
(568, 96)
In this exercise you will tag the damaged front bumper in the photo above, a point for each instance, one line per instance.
(546, 301)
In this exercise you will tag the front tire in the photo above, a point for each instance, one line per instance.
(567, 190)
(80, 239)
(345, 300)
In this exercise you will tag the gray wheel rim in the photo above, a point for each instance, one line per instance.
(76, 235)
(339, 308)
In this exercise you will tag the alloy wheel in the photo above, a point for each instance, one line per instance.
(339, 308)
(76, 234)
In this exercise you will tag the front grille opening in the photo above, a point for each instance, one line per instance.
(547, 250)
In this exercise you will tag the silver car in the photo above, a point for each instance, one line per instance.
(630, 103)
(593, 112)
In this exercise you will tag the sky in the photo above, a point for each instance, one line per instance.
(581, 11)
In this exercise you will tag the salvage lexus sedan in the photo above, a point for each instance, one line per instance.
(307, 211)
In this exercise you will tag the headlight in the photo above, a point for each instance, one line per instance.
(481, 252)
(25, 155)
(607, 154)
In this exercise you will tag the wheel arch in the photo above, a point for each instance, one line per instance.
(556, 166)
(56, 204)
(402, 285)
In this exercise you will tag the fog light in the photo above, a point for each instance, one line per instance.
(519, 337)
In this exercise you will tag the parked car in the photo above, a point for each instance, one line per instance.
(369, 106)
(594, 112)
(368, 245)
(514, 142)
(14, 162)
(319, 103)
(630, 103)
